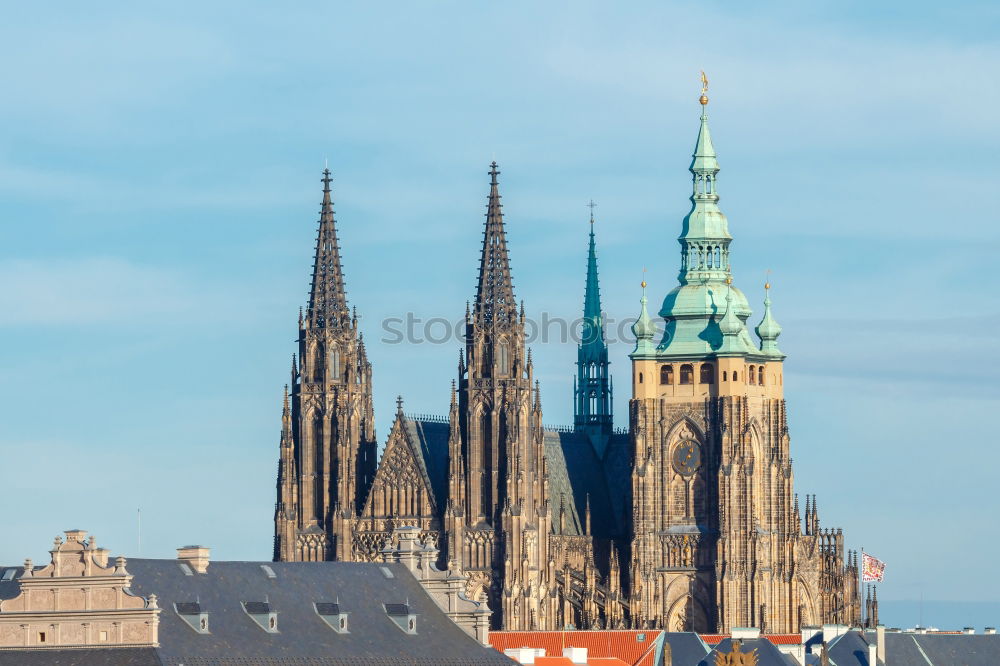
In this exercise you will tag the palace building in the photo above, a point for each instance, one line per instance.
(686, 521)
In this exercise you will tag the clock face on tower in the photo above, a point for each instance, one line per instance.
(687, 457)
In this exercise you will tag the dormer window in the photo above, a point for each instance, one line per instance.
(402, 616)
(261, 613)
(193, 615)
(334, 616)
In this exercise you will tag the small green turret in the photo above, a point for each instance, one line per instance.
(644, 329)
(768, 329)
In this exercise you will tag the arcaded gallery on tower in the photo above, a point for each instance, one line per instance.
(687, 520)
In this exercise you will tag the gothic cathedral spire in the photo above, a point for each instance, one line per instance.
(495, 291)
(592, 409)
(328, 449)
(497, 459)
(327, 297)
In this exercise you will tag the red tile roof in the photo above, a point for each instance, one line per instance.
(776, 639)
(621, 644)
(566, 661)
(784, 639)
(714, 639)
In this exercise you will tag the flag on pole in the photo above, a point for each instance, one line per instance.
(872, 569)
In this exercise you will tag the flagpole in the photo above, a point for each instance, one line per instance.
(861, 608)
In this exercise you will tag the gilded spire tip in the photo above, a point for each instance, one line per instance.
(704, 89)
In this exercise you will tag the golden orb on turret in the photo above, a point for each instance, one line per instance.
(703, 99)
(643, 284)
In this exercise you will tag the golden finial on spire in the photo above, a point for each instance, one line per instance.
(729, 279)
(643, 283)
(767, 279)
(704, 89)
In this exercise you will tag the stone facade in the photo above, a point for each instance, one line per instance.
(77, 600)
(717, 539)
(686, 522)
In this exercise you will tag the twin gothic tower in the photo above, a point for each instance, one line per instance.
(685, 521)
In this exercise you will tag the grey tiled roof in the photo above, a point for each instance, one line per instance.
(303, 638)
(575, 472)
(850, 649)
(686, 648)
(431, 440)
(965, 649)
(81, 657)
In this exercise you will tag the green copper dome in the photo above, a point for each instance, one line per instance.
(705, 314)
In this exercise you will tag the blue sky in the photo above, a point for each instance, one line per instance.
(159, 190)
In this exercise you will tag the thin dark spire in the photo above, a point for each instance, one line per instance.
(495, 292)
(327, 297)
(592, 333)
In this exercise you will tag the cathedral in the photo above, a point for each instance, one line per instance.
(686, 521)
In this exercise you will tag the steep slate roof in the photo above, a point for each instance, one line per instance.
(849, 649)
(965, 649)
(430, 437)
(575, 472)
(82, 657)
(303, 638)
(686, 648)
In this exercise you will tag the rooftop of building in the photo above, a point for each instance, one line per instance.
(239, 599)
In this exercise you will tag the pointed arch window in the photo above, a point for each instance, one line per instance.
(687, 374)
(333, 364)
(317, 364)
(708, 374)
(503, 359)
(667, 374)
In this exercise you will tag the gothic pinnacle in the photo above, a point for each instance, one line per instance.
(327, 297)
(495, 290)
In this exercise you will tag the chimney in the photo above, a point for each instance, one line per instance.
(880, 640)
(195, 557)
(578, 655)
(746, 633)
(524, 655)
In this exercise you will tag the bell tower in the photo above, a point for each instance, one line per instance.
(328, 447)
(716, 536)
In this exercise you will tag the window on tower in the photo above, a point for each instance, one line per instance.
(760, 375)
(751, 376)
(687, 374)
(666, 374)
(503, 365)
(333, 364)
(318, 364)
(708, 373)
